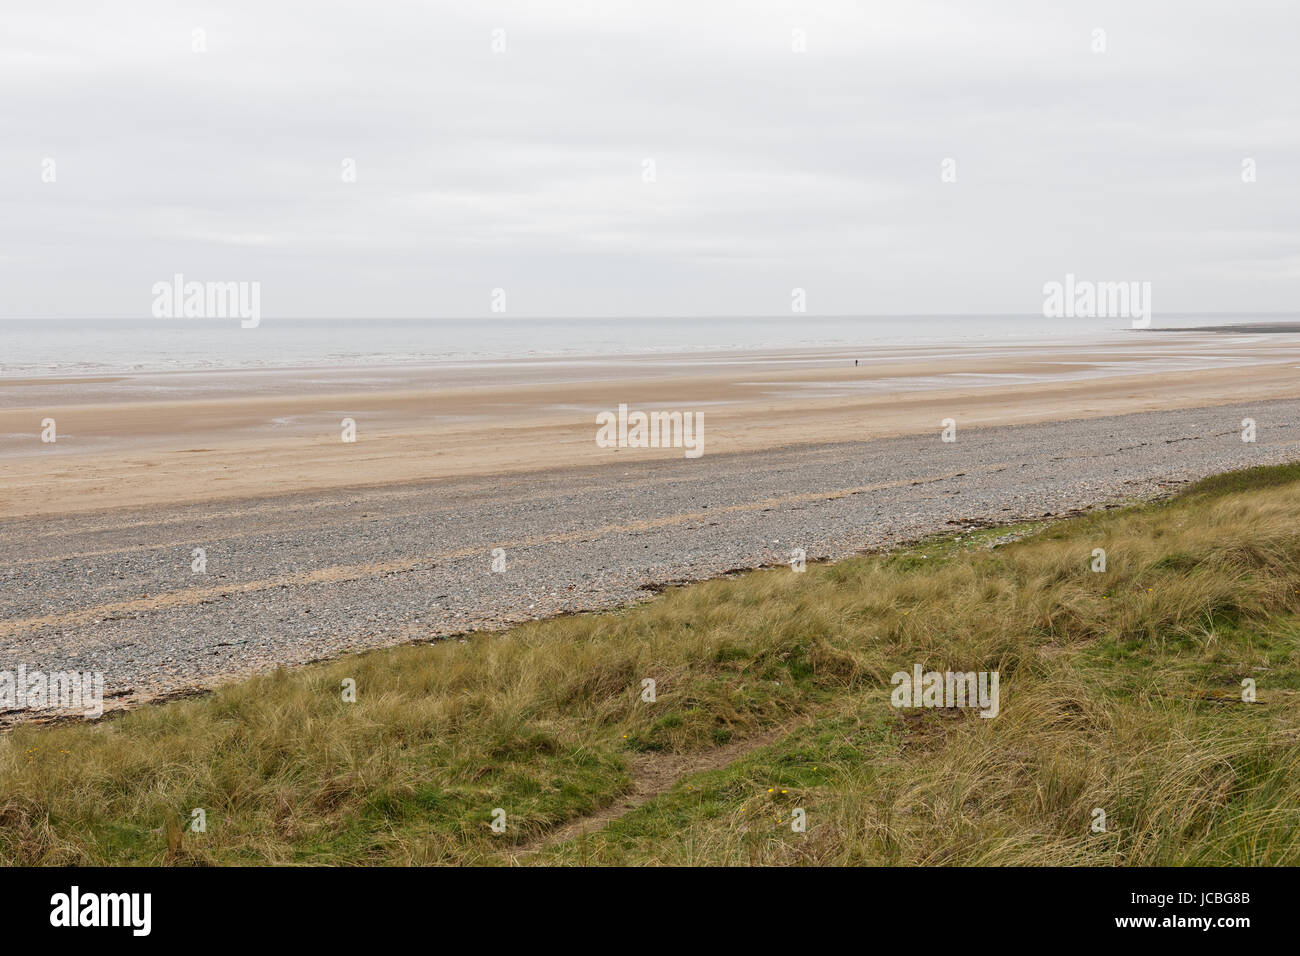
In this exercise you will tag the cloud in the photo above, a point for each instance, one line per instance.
(523, 169)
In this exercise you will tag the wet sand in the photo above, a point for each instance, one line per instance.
(168, 439)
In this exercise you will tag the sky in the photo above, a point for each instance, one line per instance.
(644, 159)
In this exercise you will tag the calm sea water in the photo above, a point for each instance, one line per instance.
(89, 347)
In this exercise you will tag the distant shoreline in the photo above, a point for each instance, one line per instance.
(88, 349)
(1261, 328)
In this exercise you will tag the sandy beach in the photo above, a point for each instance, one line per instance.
(305, 575)
(168, 439)
(313, 546)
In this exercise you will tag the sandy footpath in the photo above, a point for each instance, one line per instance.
(165, 440)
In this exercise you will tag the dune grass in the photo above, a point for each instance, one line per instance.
(1120, 690)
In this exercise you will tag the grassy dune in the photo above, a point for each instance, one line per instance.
(1120, 690)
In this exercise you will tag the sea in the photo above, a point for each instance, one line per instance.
(87, 347)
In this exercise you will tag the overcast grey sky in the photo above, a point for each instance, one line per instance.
(523, 169)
